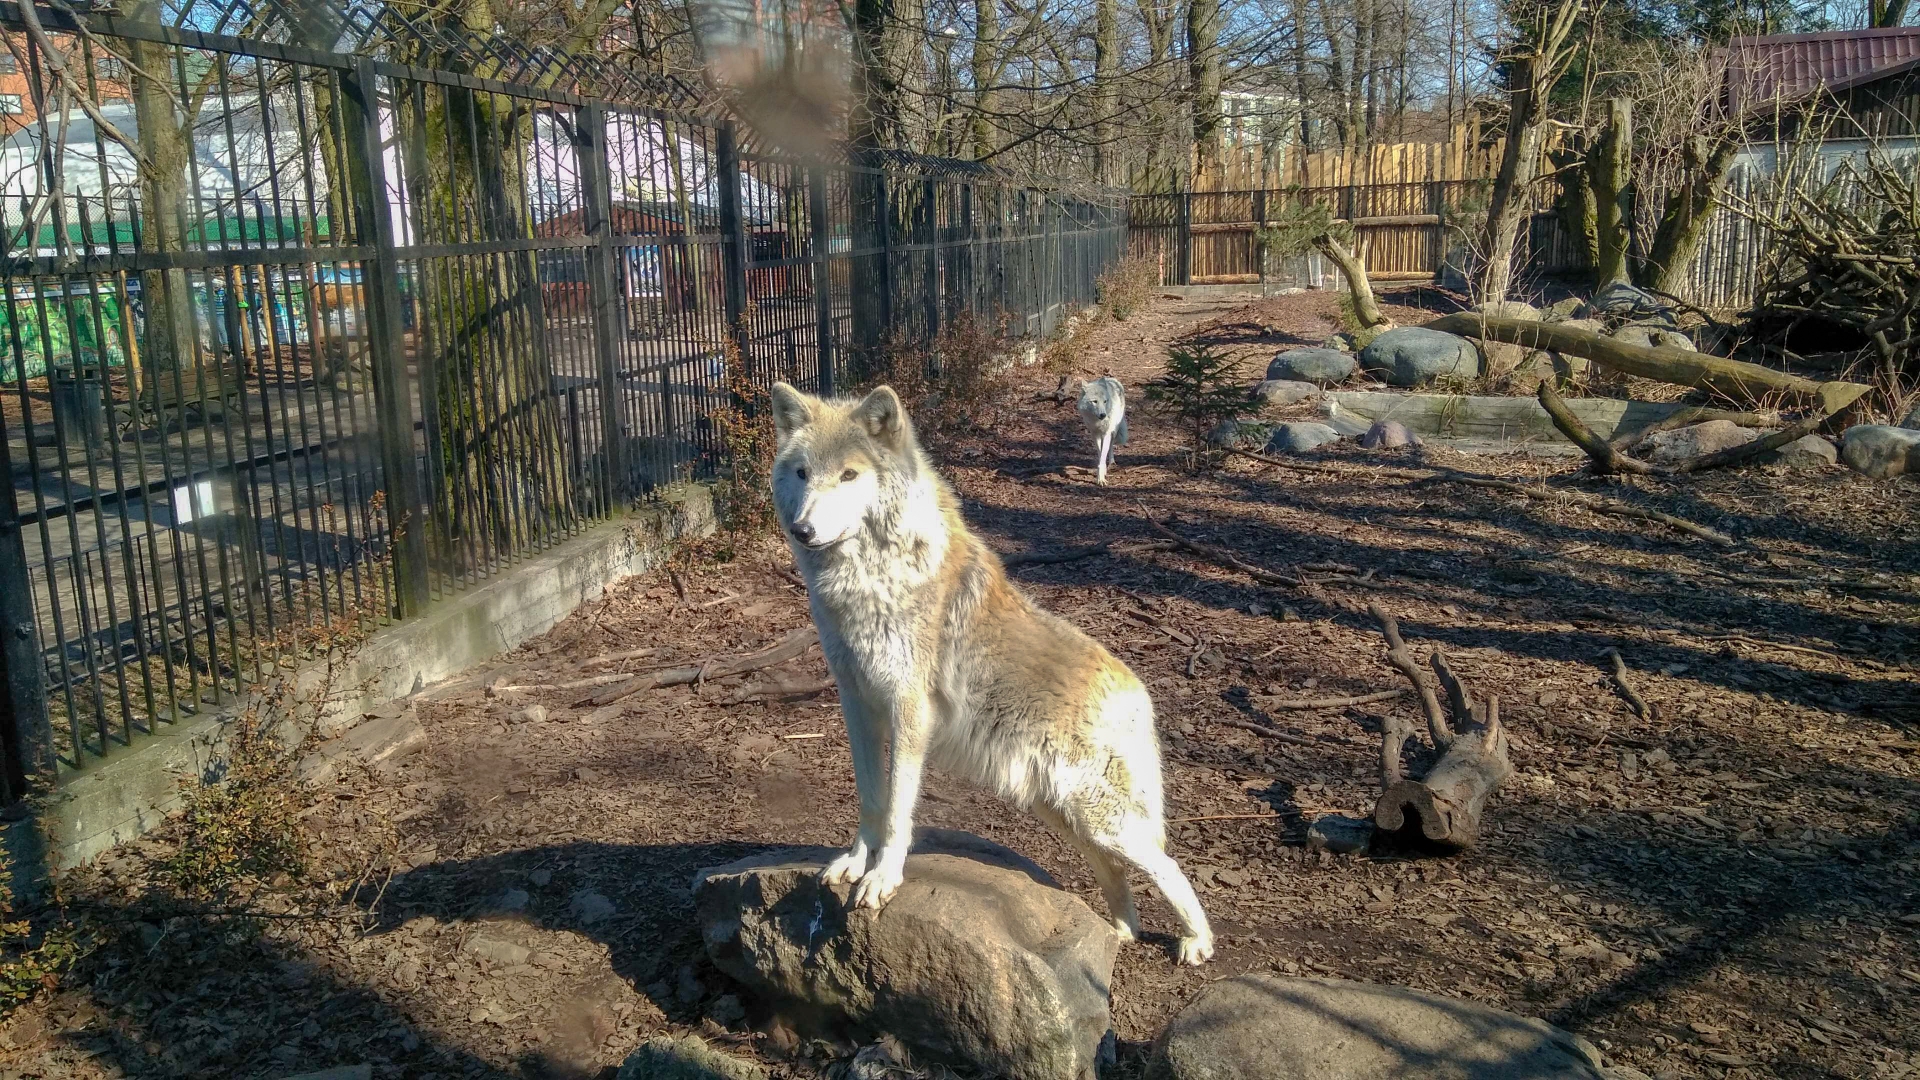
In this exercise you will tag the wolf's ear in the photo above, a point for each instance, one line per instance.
(882, 417)
(791, 411)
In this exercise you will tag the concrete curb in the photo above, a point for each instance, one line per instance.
(133, 791)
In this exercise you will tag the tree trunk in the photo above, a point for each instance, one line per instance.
(1886, 14)
(985, 68)
(1609, 175)
(1704, 165)
(1203, 73)
(1106, 68)
(1519, 164)
(164, 138)
(1365, 308)
(1579, 214)
(886, 42)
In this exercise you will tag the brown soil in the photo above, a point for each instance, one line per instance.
(1728, 889)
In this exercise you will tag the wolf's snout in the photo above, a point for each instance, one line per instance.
(801, 531)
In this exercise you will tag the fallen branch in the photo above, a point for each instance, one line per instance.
(1330, 702)
(1446, 804)
(793, 645)
(1687, 418)
(1048, 558)
(617, 657)
(1605, 458)
(777, 689)
(1220, 555)
(1271, 732)
(1619, 674)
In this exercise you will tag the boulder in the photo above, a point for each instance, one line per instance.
(1278, 393)
(1912, 422)
(1621, 301)
(1503, 359)
(1340, 834)
(1269, 1027)
(1388, 435)
(1562, 310)
(1416, 356)
(1319, 366)
(1238, 434)
(1297, 438)
(1667, 447)
(1806, 452)
(1509, 309)
(1654, 337)
(664, 1057)
(1591, 326)
(979, 958)
(1881, 451)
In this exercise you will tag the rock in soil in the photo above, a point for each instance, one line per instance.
(1281, 392)
(1319, 366)
(979, 958)
(1806, 452)
(1563, 310)
(1509, 309)
(1416, 356)
(1654, 337)
(1298, 438)
(1268, 1027)
(1388, 435)
(1912, 422)
(1667, 447)
(1622, 301)
(666, 1058)
(1238, 434)
(1881, 451)
(1339, 834)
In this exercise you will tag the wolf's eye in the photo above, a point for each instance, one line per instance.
(801, 473)
(848, 476)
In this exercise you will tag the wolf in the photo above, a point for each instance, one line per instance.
(940, 659)
(1103, 408)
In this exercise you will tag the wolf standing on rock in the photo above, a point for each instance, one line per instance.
(1103, 408)
(940, 658)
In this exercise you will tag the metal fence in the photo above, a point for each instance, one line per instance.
(351, 335)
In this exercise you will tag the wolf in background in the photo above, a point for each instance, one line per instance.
(1103, 408)
(940, 658)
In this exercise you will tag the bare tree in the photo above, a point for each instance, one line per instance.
(1535, 64)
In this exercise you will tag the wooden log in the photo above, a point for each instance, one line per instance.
(718, 668)
(1446, 805)
(1733, 378)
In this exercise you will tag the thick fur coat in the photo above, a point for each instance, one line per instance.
(941, 659)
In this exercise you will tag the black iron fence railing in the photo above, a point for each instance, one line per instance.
(292, 337)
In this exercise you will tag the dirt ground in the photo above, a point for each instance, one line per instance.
(1731, 888)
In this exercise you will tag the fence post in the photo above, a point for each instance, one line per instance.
(822, 232)
(929, 239)
(24, 723)
(734, 252)
(380, 276)
(1185, 242)
(604, 295)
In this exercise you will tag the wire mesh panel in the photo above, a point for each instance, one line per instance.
(294, 338)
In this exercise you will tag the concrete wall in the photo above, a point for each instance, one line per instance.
(133, 791)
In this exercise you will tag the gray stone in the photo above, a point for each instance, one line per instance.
(726, 1010)
(1880, 450)
(1277, 393)
(1238, 434)
(1321, 367)
(1912, 422)
(1591, 326)
(665, 1057)
(1298, 438)
(1562, 310)
(1388, 435)
(979, 958)
(504, 953)
(1806, 452)
(1340, 342)
(1339, 834)
(1509, 309)
(589, 907)
(1267, 1027)
(1623, 301)
(1653, 337)
(1667, 447)
(1416, 356)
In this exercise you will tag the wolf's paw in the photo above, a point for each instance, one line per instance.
(1196, 950)
(849, 866)
(1125, 931)
(878, 885)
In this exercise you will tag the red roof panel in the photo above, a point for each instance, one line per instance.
(1790, 66)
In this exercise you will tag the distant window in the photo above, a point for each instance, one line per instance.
(8, 65)
(10, 105)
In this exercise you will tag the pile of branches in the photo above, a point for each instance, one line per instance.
(1846, 253)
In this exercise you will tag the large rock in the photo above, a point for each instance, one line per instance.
(1298, 438)
(1238, 434)
(1667, 447)
(1501, 358)
(1562, 310)
(1621, 301)
(1416, 356)
(1267, 1027)
(1912, 422)
(1278, 393)
(1654, 337)
(1806, 452)
(1510, 309)
(664, 1057)
(1388, 435)
(979, 958)
(1881, 451)
(1319, 366)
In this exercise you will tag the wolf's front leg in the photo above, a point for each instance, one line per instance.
(911, 726)
(869, 778)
